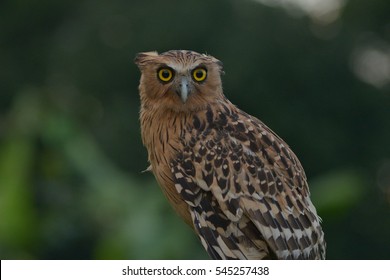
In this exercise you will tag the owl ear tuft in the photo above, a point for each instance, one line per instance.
(217, 62)
(220, 65)
(144, 57)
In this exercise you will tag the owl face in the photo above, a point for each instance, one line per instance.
(179, 80)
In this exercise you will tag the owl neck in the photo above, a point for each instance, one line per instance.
(163, 129)
(160, 131)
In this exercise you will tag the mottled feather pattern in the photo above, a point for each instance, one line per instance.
(226, 173)
(230, 159)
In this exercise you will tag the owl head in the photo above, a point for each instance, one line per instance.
(179, 80)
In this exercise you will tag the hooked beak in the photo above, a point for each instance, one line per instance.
(183, 90)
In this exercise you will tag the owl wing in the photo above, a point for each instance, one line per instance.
(247, 193)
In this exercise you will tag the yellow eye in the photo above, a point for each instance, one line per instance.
(199, 74)
(165, 74)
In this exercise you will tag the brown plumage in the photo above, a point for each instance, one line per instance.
(225, 173)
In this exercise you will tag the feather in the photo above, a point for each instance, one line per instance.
(227, 174)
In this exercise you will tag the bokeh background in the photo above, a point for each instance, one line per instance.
(71, 158)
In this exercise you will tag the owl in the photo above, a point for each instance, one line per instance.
(230, 177)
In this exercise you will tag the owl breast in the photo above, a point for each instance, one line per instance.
(163, 135)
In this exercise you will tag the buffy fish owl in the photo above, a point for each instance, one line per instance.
(230, 177)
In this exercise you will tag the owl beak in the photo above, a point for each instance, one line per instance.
(183, 90)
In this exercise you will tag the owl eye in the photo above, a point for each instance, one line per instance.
(165, 74)
(199, 74)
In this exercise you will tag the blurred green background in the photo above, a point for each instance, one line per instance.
(71, 158)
